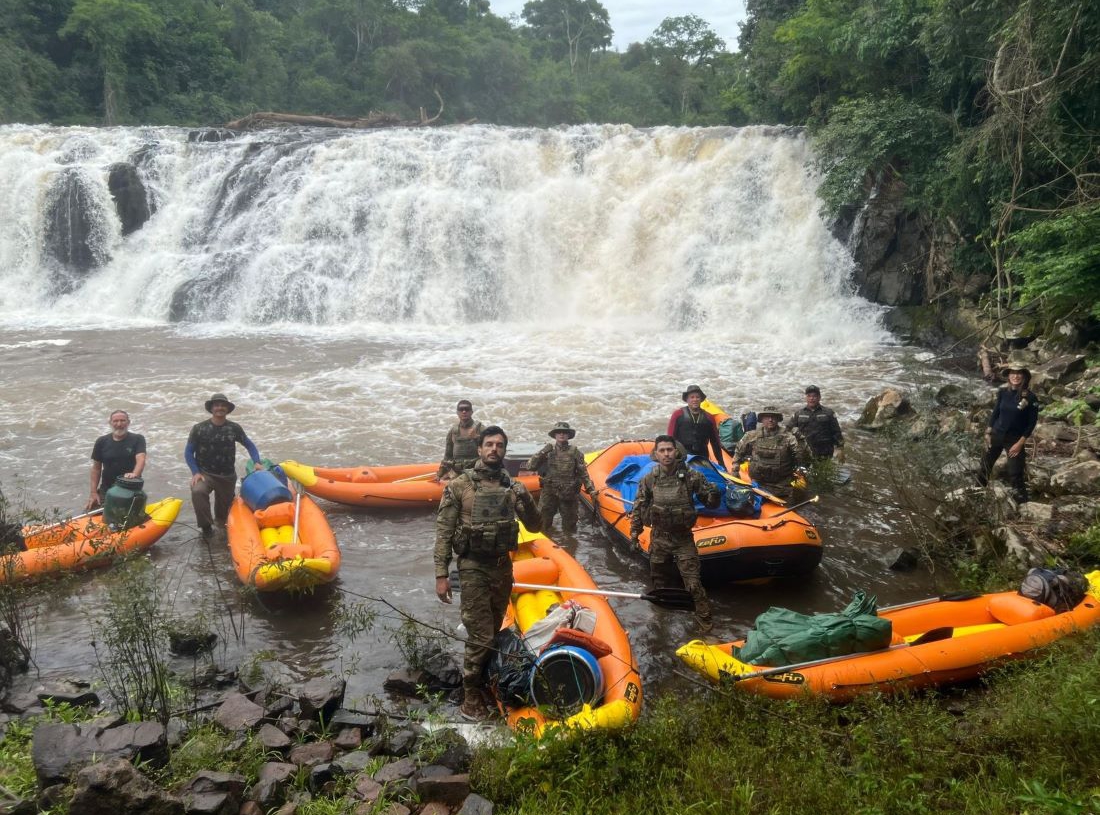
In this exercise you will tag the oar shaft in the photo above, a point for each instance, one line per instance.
(602, 592)
(798, 666)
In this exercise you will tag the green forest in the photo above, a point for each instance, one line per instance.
(987, 111)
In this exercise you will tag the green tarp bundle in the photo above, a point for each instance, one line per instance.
(781, 636)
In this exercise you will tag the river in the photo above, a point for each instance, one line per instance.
(346, 289)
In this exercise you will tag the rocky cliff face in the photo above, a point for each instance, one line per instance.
(902, 257)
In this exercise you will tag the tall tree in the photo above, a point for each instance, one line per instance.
(570, 28)
(109, 26)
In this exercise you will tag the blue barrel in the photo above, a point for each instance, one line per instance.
(261, 489)
(565, 678)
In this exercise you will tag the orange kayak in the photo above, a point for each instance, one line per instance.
(779, 543)
(935, 643)
(399, 485)
(85, 543)
(540, 561)
(265, 553)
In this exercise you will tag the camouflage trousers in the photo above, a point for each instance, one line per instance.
(486, 587)
(550, 503)
(674, 559)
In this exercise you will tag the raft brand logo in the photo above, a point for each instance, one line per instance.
(706, 543)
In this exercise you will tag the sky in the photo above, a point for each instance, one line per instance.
(634, 20)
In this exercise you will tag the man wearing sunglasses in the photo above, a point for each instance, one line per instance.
(460, 452)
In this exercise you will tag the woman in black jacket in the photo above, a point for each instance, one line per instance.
(1010, 425)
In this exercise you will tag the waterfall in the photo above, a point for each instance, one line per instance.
(665, 229)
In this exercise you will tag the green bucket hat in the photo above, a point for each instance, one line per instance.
(559, 427)
(219, 397)
(770, 410)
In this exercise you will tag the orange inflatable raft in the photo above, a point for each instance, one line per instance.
(399, 485)
(937, 642)
(780, 543)
(85, 543)
(266, 554)
(540, 561)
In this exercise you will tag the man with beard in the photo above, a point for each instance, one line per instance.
(477, 522)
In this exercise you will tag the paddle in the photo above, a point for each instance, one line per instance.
(421, 477)
(679, 599)
(775, 499)
(297, 511)
(934, 635)
(36, 529)
(813, 500)
(951, 597)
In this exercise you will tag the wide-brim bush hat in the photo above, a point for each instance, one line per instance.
(219, 397)
(690, 390)
(562, 427)
(770, 410)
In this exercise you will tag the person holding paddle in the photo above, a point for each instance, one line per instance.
(665, 503)
(477, 523)
(211, 455)
(119, 453)
(460, 449)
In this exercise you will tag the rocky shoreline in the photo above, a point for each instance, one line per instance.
(296, 744)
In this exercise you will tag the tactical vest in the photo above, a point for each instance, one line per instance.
(772, 460)
(817, 428)
(493, 530)
(561, 471)
(672, 508)
(694, 435)
(464, 447)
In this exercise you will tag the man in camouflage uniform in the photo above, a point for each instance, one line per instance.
(773, 453)
(665, 503)
(565, 472)
(818, 426)
(477, 521)
(460, 450)
(211, 455)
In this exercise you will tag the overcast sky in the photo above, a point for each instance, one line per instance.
(634, 20)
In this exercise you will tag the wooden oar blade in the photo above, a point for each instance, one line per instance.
(679, 599)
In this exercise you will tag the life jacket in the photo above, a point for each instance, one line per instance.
(561, 470)
(465, 447)
(493, 530)
(817, 428)
(694, 435)
(672, 509)
(772, 460)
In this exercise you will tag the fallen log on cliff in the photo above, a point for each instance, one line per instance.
(375, 119)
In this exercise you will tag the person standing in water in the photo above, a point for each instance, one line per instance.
(119, 453)
(460, 448)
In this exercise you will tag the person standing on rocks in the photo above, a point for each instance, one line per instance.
(1010, 426)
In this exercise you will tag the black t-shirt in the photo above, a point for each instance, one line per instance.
(118, 456)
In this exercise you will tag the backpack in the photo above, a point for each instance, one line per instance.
(1061, 589)
(748, 420)
(730, 432)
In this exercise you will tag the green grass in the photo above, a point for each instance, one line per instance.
(1024, 741)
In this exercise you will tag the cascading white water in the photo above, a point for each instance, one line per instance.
(664, 229)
